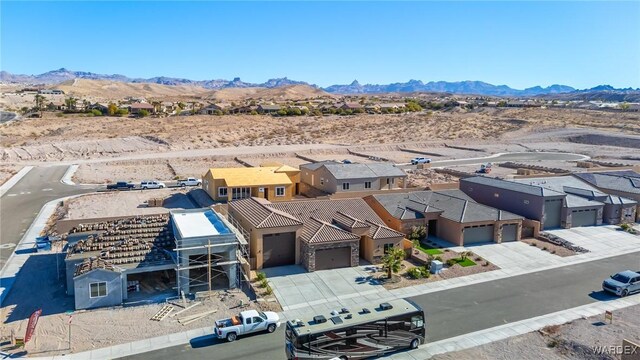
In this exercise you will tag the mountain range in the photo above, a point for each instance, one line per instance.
(460, 87)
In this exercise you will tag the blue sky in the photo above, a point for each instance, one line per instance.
(520, 44)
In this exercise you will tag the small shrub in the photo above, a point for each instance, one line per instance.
(177, 177)
(452, 262)
(446, 250)
(544, 248)
(261, 276)
(478, 258)
(268, 290)
(486, 263)
(533, 244)
(439, 258)
(96, 112)
(553, 252)
(264, 283)
(59, 114)
(414, 273)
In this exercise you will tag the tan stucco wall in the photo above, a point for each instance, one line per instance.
(211, 186)
(373, 250)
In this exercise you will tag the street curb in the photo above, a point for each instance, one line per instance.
(66, 178)
(14, 179)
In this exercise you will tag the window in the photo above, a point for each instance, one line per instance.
(222, 192)
(345, 186)
(248, 321)
(417, 321)
(240, 193)
(387, 181)
(279, 190)
(393, 180)
(367, 184)
(387, 247)
(257, 320)
(98, 289)
(321, 181)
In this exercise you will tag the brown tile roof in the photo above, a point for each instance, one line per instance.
(319, 232)
(261, 216)
(377, 231)
(349, 221)
(326, 210)
(92, 264)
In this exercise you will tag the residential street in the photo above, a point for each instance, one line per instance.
(21, 204)
(451, 312)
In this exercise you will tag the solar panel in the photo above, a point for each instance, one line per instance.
(336, 320)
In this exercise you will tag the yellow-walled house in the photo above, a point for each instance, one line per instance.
(273, 183)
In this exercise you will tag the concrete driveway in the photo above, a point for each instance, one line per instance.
(600, 239)
(296, 288)
(515, 255)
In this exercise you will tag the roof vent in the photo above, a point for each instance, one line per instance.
(299, 322)
(365, 311)
(385, 306)
(344, 311)
(348, 316)
(319, 319)
(334, 313)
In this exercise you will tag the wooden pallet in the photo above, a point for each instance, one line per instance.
(166, 310)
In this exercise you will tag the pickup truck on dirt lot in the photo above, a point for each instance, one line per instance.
(121, 185)
(189, 182)
(246, 322)
(623, 283)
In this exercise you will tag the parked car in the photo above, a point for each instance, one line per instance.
(246, 322)
(121, 185)
(189, 182)
(623, 283)
(420, 160)
(152, 184)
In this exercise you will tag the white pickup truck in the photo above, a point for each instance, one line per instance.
(190, 182)
(247, 322)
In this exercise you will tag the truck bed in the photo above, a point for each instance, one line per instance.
(223, 323)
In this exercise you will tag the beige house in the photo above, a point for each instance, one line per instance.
(333, 177)
(318, 234)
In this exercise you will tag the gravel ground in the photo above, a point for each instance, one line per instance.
(7, 171)
(551, 248)
(126, 203)
(573, 340)
(427, 177)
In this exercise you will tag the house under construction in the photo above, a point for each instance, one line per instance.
(153, 257)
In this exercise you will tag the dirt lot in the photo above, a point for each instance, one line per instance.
(54, 138)
(573, 340)
(7, 171)
(126, 203)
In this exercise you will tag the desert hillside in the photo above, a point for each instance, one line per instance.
(291, 92)
(113, 90)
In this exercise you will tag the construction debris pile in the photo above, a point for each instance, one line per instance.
(143, 239)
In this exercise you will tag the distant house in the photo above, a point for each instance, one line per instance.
(351, 106)
(269, 109)
(103, 108)
(621, 183)
(50, 92)
(212, 109)
(333, 177)
(56, 105)
(168, 107)
(392, 106)
(135, 108)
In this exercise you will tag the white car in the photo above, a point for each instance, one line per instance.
(420, 160)
(190, 182)
(152, 184)
(246, 322)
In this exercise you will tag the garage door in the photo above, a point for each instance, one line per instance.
(586, 217)
(478, 234)
(509, 232)
(279, 249)
(552, 214)
(333, 258)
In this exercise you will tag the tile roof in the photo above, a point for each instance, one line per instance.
(512, 185)
(92, 264)
(464, 210)
(349, 221)
(326, 210)
(377, 231)
(316, 231)
(253, 176)
(573, 201)
(261, 216)
(316, 165)
(626, 181)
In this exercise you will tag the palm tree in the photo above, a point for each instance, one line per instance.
(39, 99)
(70, 102)
(392, 261)
(464, 255)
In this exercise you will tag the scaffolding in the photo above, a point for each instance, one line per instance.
(211, 261)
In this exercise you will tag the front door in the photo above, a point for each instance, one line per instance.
(266, 193)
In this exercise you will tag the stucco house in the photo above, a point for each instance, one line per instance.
(449, 215)
(276, 183)
(333, 177)
(621, 183)
(553, 208)
(318, 234)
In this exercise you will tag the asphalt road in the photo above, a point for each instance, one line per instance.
(6, 116)
(451, 312)
(520, 156)
(20, 205)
